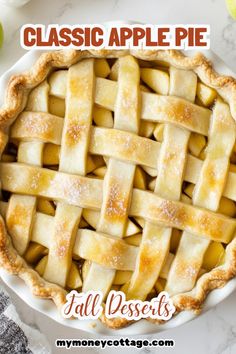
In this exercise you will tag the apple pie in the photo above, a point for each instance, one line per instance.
(118, 171)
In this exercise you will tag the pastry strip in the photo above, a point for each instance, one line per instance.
(129, 147)
(116, 193)
(73, 157)
(87, 193)
(213, 174)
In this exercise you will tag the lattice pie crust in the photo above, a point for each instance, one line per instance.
(118, 172)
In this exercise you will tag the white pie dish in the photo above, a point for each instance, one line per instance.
(47, 307)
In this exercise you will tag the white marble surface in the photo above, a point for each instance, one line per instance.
(214, 332)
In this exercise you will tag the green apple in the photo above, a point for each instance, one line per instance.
(1, 35)
(231, 5)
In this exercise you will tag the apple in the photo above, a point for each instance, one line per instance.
(231, 5)
(1, 35)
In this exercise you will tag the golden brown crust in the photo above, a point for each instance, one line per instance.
(17, 92)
